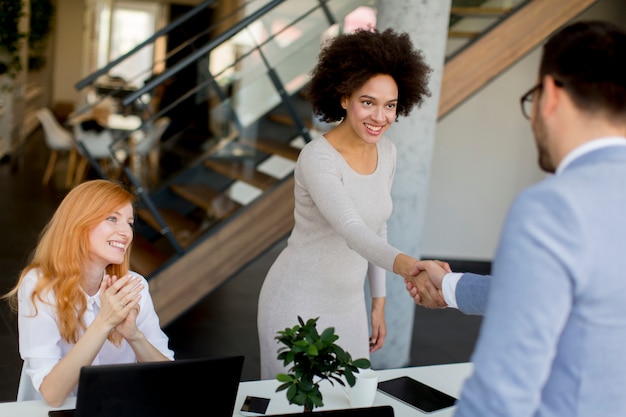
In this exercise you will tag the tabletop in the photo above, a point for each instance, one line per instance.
(448, 378)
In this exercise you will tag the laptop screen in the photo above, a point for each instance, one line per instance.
(160, 389)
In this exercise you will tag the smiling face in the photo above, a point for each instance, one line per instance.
(371, 109)
(110, 239)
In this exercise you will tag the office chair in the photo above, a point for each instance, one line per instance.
(58, 139)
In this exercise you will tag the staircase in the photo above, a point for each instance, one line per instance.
(225, 193)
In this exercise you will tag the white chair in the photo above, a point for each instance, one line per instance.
(26, 391)
(97, 145)
(58, 139)
(145, 147)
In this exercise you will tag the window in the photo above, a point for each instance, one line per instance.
(119, 28)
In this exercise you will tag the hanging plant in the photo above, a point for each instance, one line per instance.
(41, 17)
(10, 37)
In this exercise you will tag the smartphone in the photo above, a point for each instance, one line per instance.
(61, 413)
(416, 394)
(254, 406)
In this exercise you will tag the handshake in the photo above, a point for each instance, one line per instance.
(424, 283)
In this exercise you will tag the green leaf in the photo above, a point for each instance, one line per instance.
(350, 379)
(317, 400)
(300, 398)
(283, 386)
(292, 392)
(307, 386)
(362, 363)
(284, 378)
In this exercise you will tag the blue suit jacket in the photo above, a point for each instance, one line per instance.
(472, 292)
(553, 340)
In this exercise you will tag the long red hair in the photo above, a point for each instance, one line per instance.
(64, 249)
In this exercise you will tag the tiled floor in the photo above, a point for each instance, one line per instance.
(224, 323)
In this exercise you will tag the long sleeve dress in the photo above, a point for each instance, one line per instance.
(339, 238)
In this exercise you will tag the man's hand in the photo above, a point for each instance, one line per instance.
(435, 270)
(424, 285)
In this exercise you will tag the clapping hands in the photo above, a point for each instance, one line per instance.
(120, 302)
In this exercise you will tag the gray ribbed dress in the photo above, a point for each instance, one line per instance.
(340, 225)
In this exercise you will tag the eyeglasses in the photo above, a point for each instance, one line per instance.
(526, 101)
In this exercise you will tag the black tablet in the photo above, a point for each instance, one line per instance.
(416, 394)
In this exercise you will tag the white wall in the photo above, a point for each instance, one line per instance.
(484, 156)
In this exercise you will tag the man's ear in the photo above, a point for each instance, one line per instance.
(551, 96)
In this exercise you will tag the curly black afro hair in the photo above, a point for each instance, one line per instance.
(349, 60)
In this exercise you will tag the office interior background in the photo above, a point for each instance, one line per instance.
(483, 156)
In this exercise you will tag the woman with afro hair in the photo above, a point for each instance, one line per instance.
(364, 80)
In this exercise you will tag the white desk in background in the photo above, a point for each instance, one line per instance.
(121, 122)
(448, 378)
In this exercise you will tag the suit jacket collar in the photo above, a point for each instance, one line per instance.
(589, 147)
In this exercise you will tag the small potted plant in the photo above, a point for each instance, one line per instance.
(315, 357)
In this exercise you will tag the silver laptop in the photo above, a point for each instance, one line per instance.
(160, 389)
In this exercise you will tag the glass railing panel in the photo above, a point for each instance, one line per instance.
(293, 52)
(341, 8)
(254, 97)
(275, 32)
(285, 26)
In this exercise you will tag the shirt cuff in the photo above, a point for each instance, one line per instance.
(448, 288)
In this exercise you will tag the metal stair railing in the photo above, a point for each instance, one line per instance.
(210, 83)
(135, 97)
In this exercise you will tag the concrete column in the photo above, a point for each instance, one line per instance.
(426, 22)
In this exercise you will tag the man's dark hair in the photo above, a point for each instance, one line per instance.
(589, 59)
(350, 60)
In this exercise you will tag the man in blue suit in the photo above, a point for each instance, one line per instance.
(553, 337)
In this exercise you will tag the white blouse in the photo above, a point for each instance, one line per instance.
(42, 347)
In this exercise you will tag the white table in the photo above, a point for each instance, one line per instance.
(448, 378)
(121, 122)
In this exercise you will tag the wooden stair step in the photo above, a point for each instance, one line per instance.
(463, 34)
(480, 11)
(183, 228)
(241, 170)
(274, 147)
(287, 120)
(216, 204)
(145, 258)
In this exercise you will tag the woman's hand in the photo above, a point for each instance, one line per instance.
(379, 327)
(119, 302)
